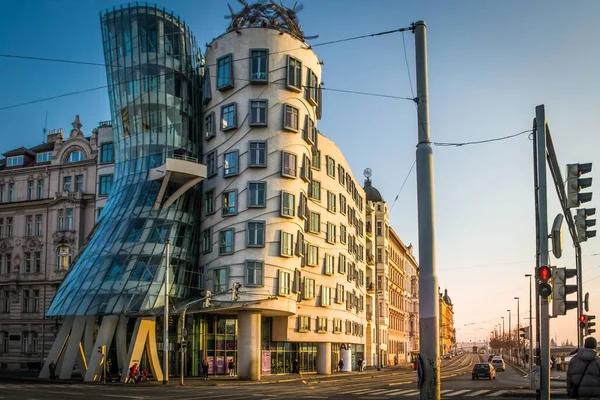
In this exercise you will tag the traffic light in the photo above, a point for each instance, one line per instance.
(560, 290)
(525, 333)
(575, 184)
(589, 325)
(582, 321)
(235, 291)
(207, 299)
(582, 223)
(102, 350)
(544, 276)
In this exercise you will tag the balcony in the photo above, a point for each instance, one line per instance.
(369, 229)
(370, 288)
(369, 316)
(179, 169)
(370, 259)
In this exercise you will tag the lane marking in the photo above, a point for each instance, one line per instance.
(458, 392)
(498, 393)
(411, 392)
(397, 392)
(446, 391)
(477, 393)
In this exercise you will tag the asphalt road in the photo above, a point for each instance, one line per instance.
(456, 384)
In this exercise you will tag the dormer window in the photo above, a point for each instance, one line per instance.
(14, 161)
(75, 156)
(43, 157)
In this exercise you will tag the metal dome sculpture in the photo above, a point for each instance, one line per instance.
(266, 14)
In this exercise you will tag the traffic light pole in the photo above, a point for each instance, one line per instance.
(537, 341)
(540, 118)
(579, 293)
(428, 282)
(166, 317)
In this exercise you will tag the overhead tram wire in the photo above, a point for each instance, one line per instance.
(403, 183)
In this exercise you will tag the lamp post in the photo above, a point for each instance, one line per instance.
(502, 347)
(509, 335)
(518, 332)
(530, 334)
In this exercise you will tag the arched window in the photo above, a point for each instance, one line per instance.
(75, 156)
(63, 257)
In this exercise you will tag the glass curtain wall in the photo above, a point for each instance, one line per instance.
(154, 91)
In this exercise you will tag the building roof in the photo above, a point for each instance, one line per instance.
(372, 193)
(40, 148)
(17, 152)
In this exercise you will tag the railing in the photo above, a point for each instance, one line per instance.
(104, 124)
(183, 157)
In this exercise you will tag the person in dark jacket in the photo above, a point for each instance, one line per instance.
(205, 369)
(583, 373)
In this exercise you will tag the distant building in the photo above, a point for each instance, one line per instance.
(447, 331)
(47, 206)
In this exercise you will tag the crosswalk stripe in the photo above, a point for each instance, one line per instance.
(498, 393)
(477, 393)
(410, 392)
(380, 391)
(458, 392)
(446, 391)
(358, 391)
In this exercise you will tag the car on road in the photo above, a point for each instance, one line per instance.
(448, 356)
(491, 357)
(483, 370)
(498, 364)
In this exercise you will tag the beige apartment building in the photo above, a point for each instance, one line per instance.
(47, 208)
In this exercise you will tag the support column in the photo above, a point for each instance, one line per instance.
(144, 336)
(105, 336)
(249, 354)
(57, 347)
(324, 358)
(121, 341)
(73, 349)
(346, 356)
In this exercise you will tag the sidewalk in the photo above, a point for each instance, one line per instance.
(221, 380)
(554, 375)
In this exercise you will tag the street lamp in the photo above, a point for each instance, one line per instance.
(518, 332)
(502, 348)
(530, 335)
(509, 335)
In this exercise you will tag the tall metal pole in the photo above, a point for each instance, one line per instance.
(540, 118)
(377, 325)
(530, 334)
(518, 337)
(182, 338)
(579, 294)
(428, 282)
(509, 335)
(537, 252)
(166, 317)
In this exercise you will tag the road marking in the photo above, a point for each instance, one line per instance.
(359, 391)
(498, 393)
(458, 392)
(446, 391)
(121, 396)
(410, 392)
(380, 391)
(397, 392)
(477, 393)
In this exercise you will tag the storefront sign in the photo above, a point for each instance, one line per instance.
(266, 362)
(220, 365)
(211, 364)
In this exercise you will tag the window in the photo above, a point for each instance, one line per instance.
(257, 154)
(340, 294)
(7, 264)
(254, 273)
(379, 255)
(325, 296)
(285, 283)
(67, 183)
(220, 280)
(69, 219)
(331, 197)
(288, 165)
(258, 112)
(229, 206)
(321, 324)
(259, 66)
(303, 323)
(294, 74)
(2, 190)
(314, 225)
(43, 157)
(206, 241)
(291, 116)
(29, 342)
(341, 175)
(1, 227)
(105, 185)
(14, 161)
(309, 288)
(37, 262)
(331, 233)
(342, 204)
(61, 220)
(75, 156)
(257, 194)
(342, 264)
(211, 163)
(255, 234)
(305, 170)
(314, 191)
(224, 72)
(342, 233)
(4, 301)
(9, 226)
(228, 117)
(287, 244)
(329, 264)
(11, 192)
(310, 131)
(316, 159)
(209, 202)
(330, 167)
(4, 342)
(40, 189)
(209, 126)
(31, 300)
(230, 163)
(288, 204)
(313, 255)
(313, 88)
(337, 325)
(303, 207)
(79, 183)
(27, 257)
(226, 241)
(107, 153)
(63, 256)
(30, 190)
(379, 230)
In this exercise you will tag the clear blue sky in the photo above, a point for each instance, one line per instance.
(490, 64)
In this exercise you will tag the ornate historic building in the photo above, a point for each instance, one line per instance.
(47, 207)
(447, 330)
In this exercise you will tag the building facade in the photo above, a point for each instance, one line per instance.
(47, 203)
(447, 330)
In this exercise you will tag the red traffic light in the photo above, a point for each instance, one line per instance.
(544, 273)
(582, 320)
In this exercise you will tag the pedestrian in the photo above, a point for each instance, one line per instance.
(552, 363)
(341, 365)
(359, 364)
(364, 364)
(205, 369)
(295, 368)
(583, 373)
(52, 368)
(231, 366)
(132, 373)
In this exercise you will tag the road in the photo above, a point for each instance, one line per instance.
(456, 384)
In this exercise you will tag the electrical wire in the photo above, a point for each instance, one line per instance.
(444, 144)
(403, 183)
(407, 67)
(52, 98)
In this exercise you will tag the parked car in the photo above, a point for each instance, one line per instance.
(483, 370)
(498, 364)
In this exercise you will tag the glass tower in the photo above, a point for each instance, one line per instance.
(152, 67)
